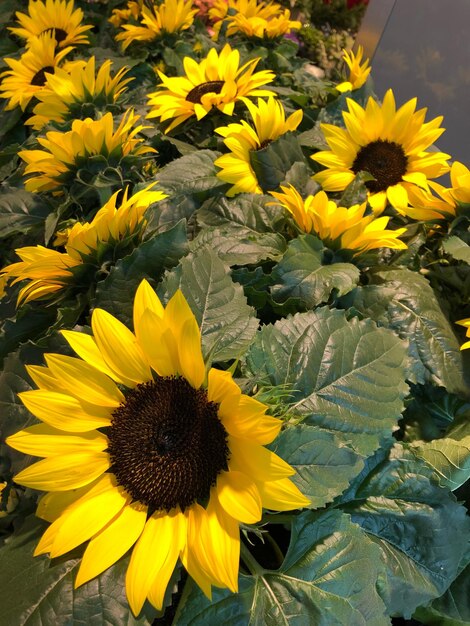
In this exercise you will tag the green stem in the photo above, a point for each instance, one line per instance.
(251, 563)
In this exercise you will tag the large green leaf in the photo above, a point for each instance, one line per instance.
(404, 301)
(35, 591)
(328, 578)
(21, 211)
(273, 163)
(345, 376)
(149, 260)
(449, 457)
(452, 608)
(302, 276)
(242, 231)
(457, 248)
(188, 181)
(420, 529)
(227, 323)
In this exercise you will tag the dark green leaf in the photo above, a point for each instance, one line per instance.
(20, 211)
(149, 260)
(272, 163)
(301, 275)
(227, 323)
(452, 608)
(457, 248)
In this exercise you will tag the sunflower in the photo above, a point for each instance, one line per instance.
(388, 143)
(113, 228)
(66, 152)
(466, 323)
(147, 451)
(58, 17)
(339, 228)
(460, 181)
(27, 76)
(270, 123)
(133, 11)
(169, 17)
(67, 94)
(262, 20)
(217, 81)
(358, 72)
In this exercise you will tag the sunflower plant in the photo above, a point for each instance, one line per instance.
(235, 304)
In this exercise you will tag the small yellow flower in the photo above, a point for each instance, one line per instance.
(466, 323)
(27, 76)
(66, 152)
(169, 17)
(253, 19)
(270, 123)
(133, 11)
(251, 10)
(57, 17)
(388, 143)
(145, 450)
(339, 228)
(217, 81)
(49, 271)
(358, 73)
(66, 91)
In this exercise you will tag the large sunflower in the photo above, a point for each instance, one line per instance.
(113, 230)
(66, 152)
(27, 76)
(339, 228)
(358, 71)
(58, 17)
(217, 81)
(146, 450)
(169, 17)
(388, 143)
(270, 123)
(68, 94)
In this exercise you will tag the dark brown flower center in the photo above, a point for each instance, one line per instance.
(196, 93)
(385, 160)
(59, 33)
(39, 79)
(167, 444)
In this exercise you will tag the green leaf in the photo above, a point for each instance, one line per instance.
(36, 591)
(149, 260)
(242, 231)
(324, 464)
(405, 302)
(457, 248)
(227, 323)
(272, 163)
(301, 275)
(328, 578)
(21, 211)
(420, 529)
(346, 376)
(452, 608)
(448, 457)
(188, 181)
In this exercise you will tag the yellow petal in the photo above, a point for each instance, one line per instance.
(60, 473)
(281, 495)
(84, 381)
(146, 298)
(257, 461)
(156, 551)
(119, 347)
(158, 343)
(239, 496)
(53, 504)
(190, 356)
(223, 545)
(112, 542)
(61, 411)
(43, 440)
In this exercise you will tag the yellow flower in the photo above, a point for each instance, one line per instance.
(58, 17)
(169, 17)
(388, 143)
(66, 91)
(118, 16)
(27, 76)
(466, 323)
(147, 451)
(358, 73)
(66, 152)
(49, 271)
(217, 81)
(270, 123)
(339, 228)
(262, 20)
(460, 181)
